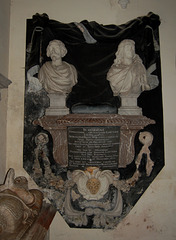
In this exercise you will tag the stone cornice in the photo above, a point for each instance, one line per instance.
(4, 82)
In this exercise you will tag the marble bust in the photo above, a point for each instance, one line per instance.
(57, 78)
(127, 75)
(57, 75)
(128, 78)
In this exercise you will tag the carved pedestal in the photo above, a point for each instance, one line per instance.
(129, 105)
(128, 125)
(57, 105)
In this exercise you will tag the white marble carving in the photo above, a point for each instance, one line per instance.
(123, 3)
(127, 77)
(146, 138)
(57, 104)
(92, 183)
(41, 152)
(99, 196)
(57, 78)
(34, 84)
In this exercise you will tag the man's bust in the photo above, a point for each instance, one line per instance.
(57, 76)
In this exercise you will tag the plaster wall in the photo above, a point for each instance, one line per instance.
(153, 217)
(4, 57)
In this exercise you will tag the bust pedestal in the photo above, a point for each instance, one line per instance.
(129, 105)
(57, 105)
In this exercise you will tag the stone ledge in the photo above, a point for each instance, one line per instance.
(4, 82)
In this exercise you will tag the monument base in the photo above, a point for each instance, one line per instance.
(85, 139)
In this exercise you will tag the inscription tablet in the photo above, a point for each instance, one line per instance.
(93, 146)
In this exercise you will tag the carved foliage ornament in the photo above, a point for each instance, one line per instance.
(93, 183)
